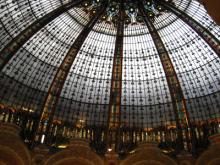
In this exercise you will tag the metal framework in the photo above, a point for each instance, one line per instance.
(48, 111)
(12, 47)
(116, 84)
(177, 97)
(210, 39)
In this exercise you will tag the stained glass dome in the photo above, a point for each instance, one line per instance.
(141, 50)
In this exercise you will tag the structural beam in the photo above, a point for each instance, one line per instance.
(208, 37)
(50, 103)
(178, 100)
(116, 85)
(12, 47)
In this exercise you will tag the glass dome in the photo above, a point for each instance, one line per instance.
(146, 101)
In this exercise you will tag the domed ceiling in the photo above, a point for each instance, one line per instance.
(145, 96)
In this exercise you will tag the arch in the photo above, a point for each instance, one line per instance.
(214, 161)
(185, 162)
(210, 156)
(148, 162)
(148, 156)
(9, 138)
(38, 159)
(9, 157)
(2, 163)
(74, 161)
(78, 150)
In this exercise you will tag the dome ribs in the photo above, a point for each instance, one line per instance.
(178, 100)
(208, 37)
(50, 103)
(116, 85)
(12, 47)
